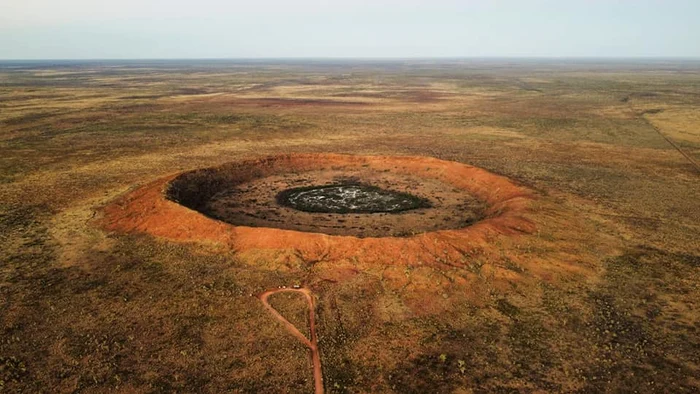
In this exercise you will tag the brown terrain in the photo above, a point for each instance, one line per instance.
(144, 249)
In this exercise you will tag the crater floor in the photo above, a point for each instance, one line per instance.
(403, 205)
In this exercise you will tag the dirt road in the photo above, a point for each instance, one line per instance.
(311, 342)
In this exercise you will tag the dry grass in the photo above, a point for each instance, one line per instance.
(84, 310)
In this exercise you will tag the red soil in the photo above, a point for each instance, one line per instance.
(147, 210)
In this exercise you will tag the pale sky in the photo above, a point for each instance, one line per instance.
(110, 29)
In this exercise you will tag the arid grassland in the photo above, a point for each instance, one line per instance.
(603, 296)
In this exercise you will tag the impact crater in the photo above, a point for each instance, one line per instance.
(387, 209)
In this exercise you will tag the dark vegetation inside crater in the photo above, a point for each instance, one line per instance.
(349, 198)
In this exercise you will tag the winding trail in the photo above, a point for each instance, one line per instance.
(311, 343)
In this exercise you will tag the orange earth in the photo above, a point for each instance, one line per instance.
(148, 210)
(525, 237)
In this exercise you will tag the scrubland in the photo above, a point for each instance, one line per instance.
(602, 297)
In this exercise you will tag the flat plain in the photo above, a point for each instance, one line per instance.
(602, 295)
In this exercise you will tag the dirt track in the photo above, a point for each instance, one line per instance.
(312, 342)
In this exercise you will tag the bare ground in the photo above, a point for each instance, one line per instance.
(600, 298)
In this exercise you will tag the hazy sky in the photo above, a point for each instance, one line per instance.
(53, 29)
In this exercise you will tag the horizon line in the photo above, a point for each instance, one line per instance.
(504, 57)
